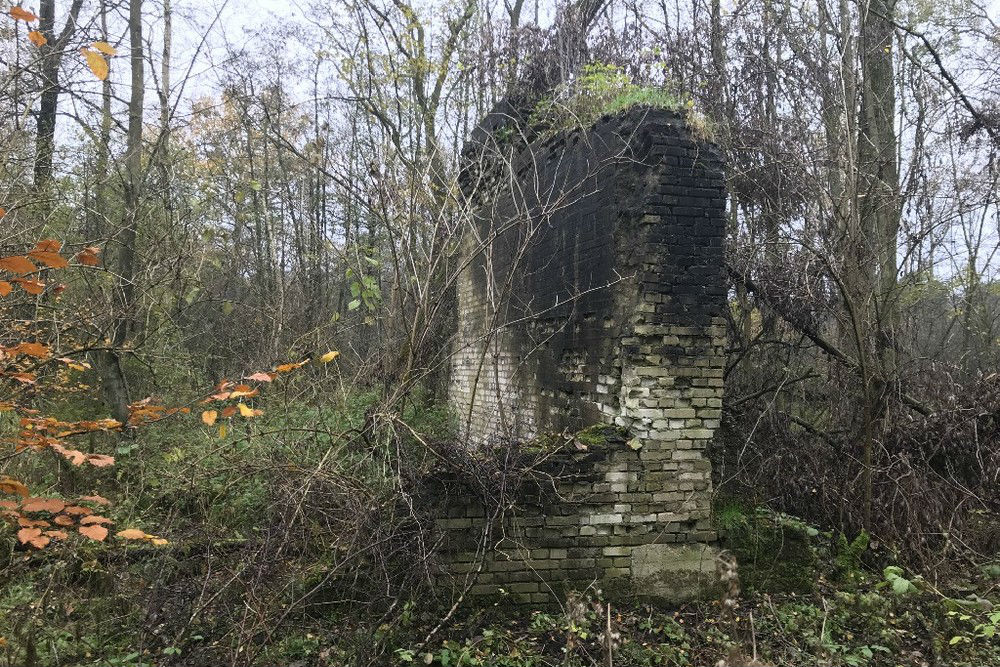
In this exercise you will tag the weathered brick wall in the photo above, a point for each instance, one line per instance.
(594, 295)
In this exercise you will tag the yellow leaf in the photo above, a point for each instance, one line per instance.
(209, 417)
(158, 541)
(223, 431)
(96, 62)
(245, 410)
(37, 38)
(329, 356)
(105, 48)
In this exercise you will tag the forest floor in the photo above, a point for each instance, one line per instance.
(251, 518)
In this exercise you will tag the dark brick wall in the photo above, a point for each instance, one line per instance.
(600, 300)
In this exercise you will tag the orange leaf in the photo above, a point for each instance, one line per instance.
(3, 212)
(94, 518)
(100, 500)
(48, 245)
(94, 532)
(26, 534)
(260, 377)
(285, 368)
(30, 286)
(25, 378)
(131, 534)
(100, 460)
(37, 38)
(12, 486)
(20, 14)
(89, 256)
(228, 411)
(17, 264)
(51, 505)
(50, 259)
(209, 417)
(96, 62)
(5, 288)
(36, 350)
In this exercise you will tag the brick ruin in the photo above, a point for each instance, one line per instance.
(594, 295)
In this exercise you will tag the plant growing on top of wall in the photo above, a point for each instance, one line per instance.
(602, 89)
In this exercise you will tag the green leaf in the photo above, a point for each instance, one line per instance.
(956, 639)
(354, 304)
(900, 585)
(227, 308)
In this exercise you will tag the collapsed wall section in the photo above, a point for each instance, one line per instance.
(594, 294)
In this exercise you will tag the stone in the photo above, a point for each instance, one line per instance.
(675, 573)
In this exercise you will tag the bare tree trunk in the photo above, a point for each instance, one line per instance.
(116, 386)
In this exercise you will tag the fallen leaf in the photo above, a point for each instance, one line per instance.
(12, 486)
(131, 534)
(51, 505)
(245, 410)
(329, 356)
(100, 500)
(94, 532)
(5, 288)
(100, 460)
(209, 417)
(260, 377)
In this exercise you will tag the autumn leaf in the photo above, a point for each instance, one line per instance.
(5, 288)
(260, 377)
(100, 500)
(105, 48)
(89, 256)
(158, 541)
(51, 505)
(245, 410)
(131, 534)
(223, 431)
(37, 38)
(287, 368)
(96, 62)
(20, 14)
(30, 286)
(209, 417)
(17, 264)
(50, 259)
(32, 536)
(100, 460)
(36, 350)
(228, 411)
(12, 486)
(329, 356)
(94, 532)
